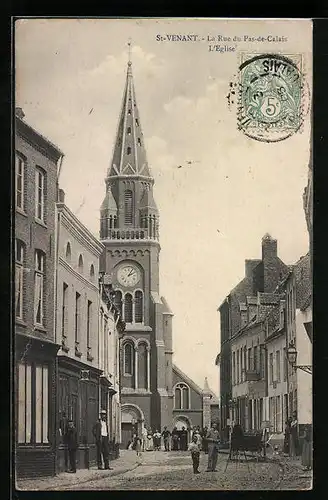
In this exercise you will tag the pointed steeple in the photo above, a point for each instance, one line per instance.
(206, 389)
(129, 155)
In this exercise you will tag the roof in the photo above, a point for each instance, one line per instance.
(167, 309)
(29, 132)
(129, 154)
(307, 302)
(109, 202)
(187, 379)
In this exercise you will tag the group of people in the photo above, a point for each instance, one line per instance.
(292, 441)
(206, 440)
(70, 439)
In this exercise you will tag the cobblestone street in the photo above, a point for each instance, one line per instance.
(173, 471)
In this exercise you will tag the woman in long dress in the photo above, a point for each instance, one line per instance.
(293, 444)
(150, 442)
(307, 448)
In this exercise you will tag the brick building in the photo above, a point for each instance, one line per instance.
(36, 165)
(77, 332)
(261, 275)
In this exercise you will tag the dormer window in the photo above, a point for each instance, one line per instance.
(128, 150)
(129, 130)
(137, 122)
(139, 141)
(129, 112)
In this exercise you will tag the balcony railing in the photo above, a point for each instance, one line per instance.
(131, 234)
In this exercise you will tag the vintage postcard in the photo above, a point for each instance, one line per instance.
(163, 254)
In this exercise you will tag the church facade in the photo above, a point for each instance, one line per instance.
(129, 231)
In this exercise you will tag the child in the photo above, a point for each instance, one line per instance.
(195, 453)
(137, 446)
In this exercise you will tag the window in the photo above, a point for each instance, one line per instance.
(129, 112)
(233, 368)
(68, 252)
(137, 122)
(278, 366)
(285, 365)
(128, 359)
(142, 365)
(245, 362)
(128, 206)
(138, 306)
(139, 141)
(279, 417)
(128, 150)
(41, 404)
(77, 317)
(89, 322)
(128, 308)
(92, 272)
(106, 344)
(118, 300)
(80, 264)
(24, 403)
(249, 360)
(64, 311)
(33, 403)
(20, 182)
(237, 381)
(271, 367)
(19, 278)
(181, 397)
(256, 367)
(39, 287)
(40, 177)
(129, 130)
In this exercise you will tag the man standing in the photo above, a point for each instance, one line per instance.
(144, 438)
(100, 432)
(166, 437)
(213, 438)
(184, 439)
(71, 441)
(205, 442)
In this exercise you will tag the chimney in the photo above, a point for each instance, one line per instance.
(250, 265)
(269, 247)
(61, 196)
(19, 113)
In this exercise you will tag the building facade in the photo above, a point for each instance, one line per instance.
(236, 312)
(77, 332)
(36, 165)
(129, 231)
(110, 329)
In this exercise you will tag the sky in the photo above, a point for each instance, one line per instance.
(213, 211)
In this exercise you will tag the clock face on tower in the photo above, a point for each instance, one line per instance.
(128, 275)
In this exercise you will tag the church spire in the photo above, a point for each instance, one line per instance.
(129, 156)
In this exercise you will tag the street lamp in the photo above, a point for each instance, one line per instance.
(292, 357)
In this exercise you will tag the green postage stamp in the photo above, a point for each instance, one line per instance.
(271, 91)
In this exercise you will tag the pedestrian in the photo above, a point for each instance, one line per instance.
(294, 439)
(157, 440)
(144, 438)
(137, 443)
(184, 439)
(175, 439)
(287, 436)
(166, 438)
(63, 425)
(205, 442)
(307, 448)
(71, 441)
(213, 440)
(195, 453)
(101, 434)
(199, 438)
(150, 440)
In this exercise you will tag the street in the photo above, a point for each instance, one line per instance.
(173, 471)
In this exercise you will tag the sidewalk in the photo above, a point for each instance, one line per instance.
(125, 463)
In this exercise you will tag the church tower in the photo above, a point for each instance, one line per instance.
(129, 229)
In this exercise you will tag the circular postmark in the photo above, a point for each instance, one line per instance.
(270, 100)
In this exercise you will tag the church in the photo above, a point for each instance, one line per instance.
(129, 231)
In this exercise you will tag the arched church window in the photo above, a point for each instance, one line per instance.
(68, 252)
(92, 272)
(80, 264)
(128, 206)
(128, 359)
(177, 399)
(128, 308)
(138, 306)
(128, 150)
(181, 397)
(142, 366)
(118, 300)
